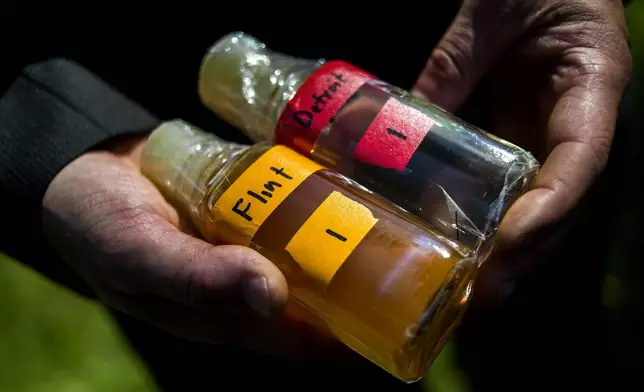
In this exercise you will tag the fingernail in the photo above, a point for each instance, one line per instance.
(256, 295)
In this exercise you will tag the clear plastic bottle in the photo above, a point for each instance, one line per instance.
(456, 177)
(380, 279)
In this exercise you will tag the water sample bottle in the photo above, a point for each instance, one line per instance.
(451, 174)
(381, 280)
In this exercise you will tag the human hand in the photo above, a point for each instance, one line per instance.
(558, 70)
(116, 229)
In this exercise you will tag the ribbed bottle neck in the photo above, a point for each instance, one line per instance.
(181, 160)
(248, 85)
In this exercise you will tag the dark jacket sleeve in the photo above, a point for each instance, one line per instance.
(51, 113)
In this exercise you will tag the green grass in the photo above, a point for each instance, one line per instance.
(445, 374)
(52, 340)
(635, 19)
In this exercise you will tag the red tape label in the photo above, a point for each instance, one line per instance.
(316, 102)
(393, 136)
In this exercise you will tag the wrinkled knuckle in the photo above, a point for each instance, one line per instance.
(189, 285)
(578, 11)
(590, 71)
(618, 54)
(626, 66)
(598, 70)
(205, 276)
(600, 145)
(450, 63)
(613, 48)
(122, 230)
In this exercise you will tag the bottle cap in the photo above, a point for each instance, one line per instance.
(176, 158)
(247, 84)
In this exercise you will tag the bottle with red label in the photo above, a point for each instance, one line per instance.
(451, 174)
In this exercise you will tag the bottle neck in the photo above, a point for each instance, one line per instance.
(182, 161)
(209, 168)
(248, 85)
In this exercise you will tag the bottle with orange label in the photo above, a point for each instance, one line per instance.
(378, 278)
(451, 174)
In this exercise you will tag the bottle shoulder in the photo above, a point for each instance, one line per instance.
(227, 174)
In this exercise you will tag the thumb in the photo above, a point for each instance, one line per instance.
(472, 45)
(190, 271)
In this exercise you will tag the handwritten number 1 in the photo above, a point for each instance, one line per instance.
(336, 235)
(397, 134)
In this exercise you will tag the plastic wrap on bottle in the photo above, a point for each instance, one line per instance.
(456, 177)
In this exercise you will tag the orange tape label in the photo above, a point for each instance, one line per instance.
(252, 198)
(329, 236)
